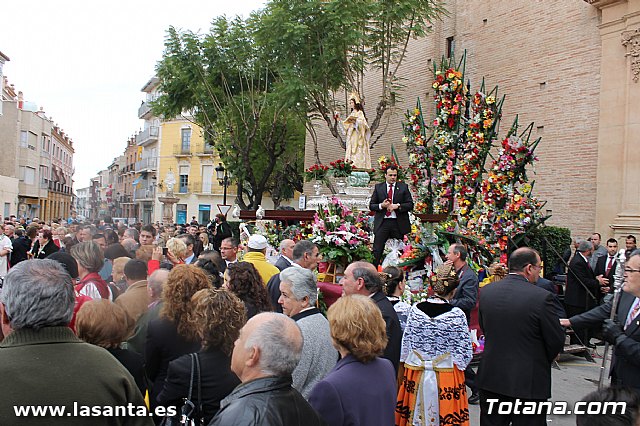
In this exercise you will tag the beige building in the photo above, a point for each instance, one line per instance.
(573, 70)
(56, 171)
(8, 136)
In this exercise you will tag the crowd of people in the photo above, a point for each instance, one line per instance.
(185, 322)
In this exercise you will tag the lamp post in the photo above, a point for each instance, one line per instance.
(223, 180)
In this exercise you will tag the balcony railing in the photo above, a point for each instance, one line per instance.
(181, 150)
(148, 135)
(144, 111)
(150, 163)
(44, 184)
(203, 149)
(202, 187)
(144, 193)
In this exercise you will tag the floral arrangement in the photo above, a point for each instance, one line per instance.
(317, 172)
(341, 168)
(270, 230)
(419, 163)
(341, 235)
(296, 233)
(384, 163)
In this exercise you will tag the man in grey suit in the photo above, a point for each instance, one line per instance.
(391, 201)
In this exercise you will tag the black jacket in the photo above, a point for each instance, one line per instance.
(522, 338)
(163, 345)
(601, 269)
(268, 401)
(223, 230)
(21, 246)
(581, 273)
(216, 382)
(401, 196)
(394, 332)
(625, 368)
(49, 248)
(282, 263)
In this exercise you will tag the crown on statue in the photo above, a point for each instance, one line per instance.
(355, 97)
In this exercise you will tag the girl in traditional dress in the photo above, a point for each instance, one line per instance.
(436, 349)
(357, 136)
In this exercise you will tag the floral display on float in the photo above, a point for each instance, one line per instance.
(342, 236)
(341, 168)
(448, 170)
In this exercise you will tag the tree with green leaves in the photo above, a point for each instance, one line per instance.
(323, 48)
(225, 83)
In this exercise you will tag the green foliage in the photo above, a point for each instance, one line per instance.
(550, 242)
(322, 48)
(224, 82)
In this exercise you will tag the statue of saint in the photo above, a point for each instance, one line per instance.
(357, 134)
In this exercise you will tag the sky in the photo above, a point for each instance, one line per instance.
(84, 63)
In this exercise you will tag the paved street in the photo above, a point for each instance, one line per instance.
(570, 383)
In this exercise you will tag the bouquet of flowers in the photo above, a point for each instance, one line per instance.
(341, 235)
(341, 168)
(317, 172)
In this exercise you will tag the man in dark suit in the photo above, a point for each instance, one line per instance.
(582, 289)
(522, 338)
(391, 201)
(362, 278)
(606, 267)
(465, 299)
(286, 254)
(624, 331)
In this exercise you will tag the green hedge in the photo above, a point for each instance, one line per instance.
(551, 242)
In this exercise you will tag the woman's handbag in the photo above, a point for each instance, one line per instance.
(190, 414)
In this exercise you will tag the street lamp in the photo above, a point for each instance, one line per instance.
(223, 180)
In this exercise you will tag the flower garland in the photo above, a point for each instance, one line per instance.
(480, 131)
(450, 99)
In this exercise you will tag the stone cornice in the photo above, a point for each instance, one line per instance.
(603, 3)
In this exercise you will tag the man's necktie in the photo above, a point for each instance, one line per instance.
(390, 197)
(635, 308)
(609, 265)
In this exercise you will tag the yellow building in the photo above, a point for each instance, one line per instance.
(192, 164)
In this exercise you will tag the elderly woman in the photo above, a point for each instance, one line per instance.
(90, 260)
(361, 389)
(298, 298)
(171, 335)
(243, 280)
(217, 317)
(105, 324)
(436, 349)
(44, 245)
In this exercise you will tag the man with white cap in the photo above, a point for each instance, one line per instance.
(257, 248)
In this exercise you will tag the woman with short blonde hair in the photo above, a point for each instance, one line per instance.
(361, 389)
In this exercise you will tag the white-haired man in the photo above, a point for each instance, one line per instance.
(298, 298)
(264, 356)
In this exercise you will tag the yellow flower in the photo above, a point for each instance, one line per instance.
(490, 100)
